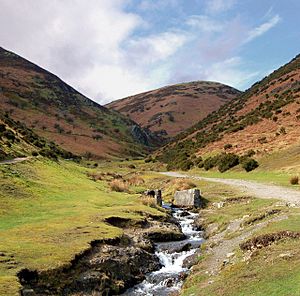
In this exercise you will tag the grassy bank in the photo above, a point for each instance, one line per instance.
(270, 270)
(50, 212)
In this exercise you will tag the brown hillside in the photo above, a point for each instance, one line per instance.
(172, 109)
(266, 118)
(59, 113)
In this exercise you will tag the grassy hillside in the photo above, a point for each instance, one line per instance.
(265, 120)
(16, 140)
(58, 112)
(172, 109)
(51, 211)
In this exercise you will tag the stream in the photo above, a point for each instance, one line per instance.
(172, 255)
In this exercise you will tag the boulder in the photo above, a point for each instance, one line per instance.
(188, 198)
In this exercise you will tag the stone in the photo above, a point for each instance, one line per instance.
(285, 255)
(219, 205)
(188, 198)
(229, 255)
(28, 292)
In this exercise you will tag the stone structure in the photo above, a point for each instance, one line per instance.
(155, 194)
(188, 198)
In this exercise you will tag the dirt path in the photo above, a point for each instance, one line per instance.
(250, 187)
(15, 160)
(224, 249)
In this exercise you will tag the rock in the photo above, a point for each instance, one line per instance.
(28, 292)
(285, 255)
(164, 231)
(199, 224)
(165, 235)
(175, 247)
(219, 205)
(187, 198)
(191, 260)
(229, 255)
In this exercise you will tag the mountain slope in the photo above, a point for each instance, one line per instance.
(59, 113)
(266, 118)
(172, 109)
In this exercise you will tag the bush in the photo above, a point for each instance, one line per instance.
(186, 165)
(48, 153)
(294, 180)
(227, 161)
(118, 185)
(34, 153)
(227, 146)
(210, 162)
(2, 128)
(9, 135)
(249, 164)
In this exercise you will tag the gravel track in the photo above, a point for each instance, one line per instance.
(260, 190)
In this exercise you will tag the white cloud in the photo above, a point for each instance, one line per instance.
(263, 28)
(80, 41)
(205, 23)
(218, 6)
(154, 48)
(231, 71)
(107, 53)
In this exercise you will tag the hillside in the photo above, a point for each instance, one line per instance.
(172, 109)
(58, 112)
(18, 141)
(264, 119)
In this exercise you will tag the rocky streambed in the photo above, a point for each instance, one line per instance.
(176, 258)
(151, 258)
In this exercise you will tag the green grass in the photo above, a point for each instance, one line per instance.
(271, 177)
(266, 273)
(52, 211)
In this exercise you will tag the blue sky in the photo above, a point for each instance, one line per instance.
(109, 49)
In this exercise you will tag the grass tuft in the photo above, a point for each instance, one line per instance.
(294, 180)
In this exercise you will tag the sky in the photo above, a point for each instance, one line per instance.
(110, 49)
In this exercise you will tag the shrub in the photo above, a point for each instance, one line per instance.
(249, 164)
(9, 135)
(210, 162)
(48, 153)
(227, 146)
(250, 153)
(294, 180)
(227, 161)
(185, 165)
(262, 140)
(118, 185)
(2, 128)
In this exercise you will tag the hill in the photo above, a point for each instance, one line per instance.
(263, 120)
(56, 111)
(172, 109)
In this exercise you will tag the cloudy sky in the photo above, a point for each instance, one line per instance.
(109, 49)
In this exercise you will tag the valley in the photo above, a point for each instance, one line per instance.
(75, 219)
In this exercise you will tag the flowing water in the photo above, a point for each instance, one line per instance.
(168, 280)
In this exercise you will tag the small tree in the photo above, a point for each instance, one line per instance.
(249, 164)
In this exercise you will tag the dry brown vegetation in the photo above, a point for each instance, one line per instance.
(149, 201)
(118, 185)
(136, 181)
(294, 180)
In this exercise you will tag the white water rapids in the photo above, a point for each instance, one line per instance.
(168, 280)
